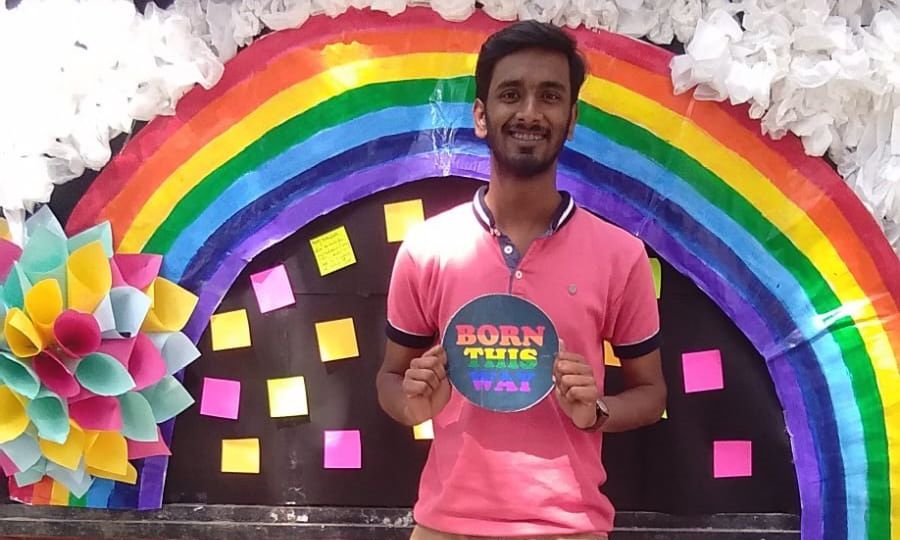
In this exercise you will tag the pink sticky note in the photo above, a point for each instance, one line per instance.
(139, 449)
(273, 289)
(343, 450)
(221, 398)
(732, 459)
(99, 413)
(702, 371)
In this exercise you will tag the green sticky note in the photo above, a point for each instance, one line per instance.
(19, 376)
(138, 422)
(50, 414)
(103, 375)
(167, 398)
(98, 233)
(657, 275)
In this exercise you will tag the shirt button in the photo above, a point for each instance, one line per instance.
(508, 250)
(518, 274)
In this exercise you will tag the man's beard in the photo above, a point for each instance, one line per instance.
(521, 165)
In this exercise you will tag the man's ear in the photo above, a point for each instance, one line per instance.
(572, 122)
(479, 114)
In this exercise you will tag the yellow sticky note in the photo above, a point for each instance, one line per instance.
(333, 251)
(230, 330)
(337, 340)
(424, 431)
(22, 336)
(88, 277)
(59, 495)
(400, 217)
(130, 476)
(171, 306)
(43, 303)
(657, 275)
(665, 414)
(287, 397)
(609, 356)
(109, 452)
(67, 454)
(13, 420)
(240, 456)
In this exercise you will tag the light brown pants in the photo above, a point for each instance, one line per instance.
(424, 533)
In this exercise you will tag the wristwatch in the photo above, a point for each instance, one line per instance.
(602, 415)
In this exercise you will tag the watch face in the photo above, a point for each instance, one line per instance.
(602, 409)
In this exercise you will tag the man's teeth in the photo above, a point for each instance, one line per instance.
(527, 136)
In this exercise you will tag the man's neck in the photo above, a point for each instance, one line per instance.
(523, 208)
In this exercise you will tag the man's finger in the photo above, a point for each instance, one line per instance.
(414, 388)
(570, 367)
(584, 394)
(425, 375)
(431, 363)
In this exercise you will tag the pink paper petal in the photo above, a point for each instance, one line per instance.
(9, 254)
(56, 375)
(117, 279)
(146, 364)
(138, 269)
(76, 333)
(9, 468)
(82, 395)
(98, 413)
(138, 450)
(120, 349)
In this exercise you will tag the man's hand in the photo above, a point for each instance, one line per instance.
(426, 386)
(576, 388)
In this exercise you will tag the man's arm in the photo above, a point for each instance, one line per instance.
(644, 398)
(412, 383)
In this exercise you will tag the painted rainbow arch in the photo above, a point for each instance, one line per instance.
(305, 121)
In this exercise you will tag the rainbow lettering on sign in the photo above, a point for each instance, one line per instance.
(510, 349)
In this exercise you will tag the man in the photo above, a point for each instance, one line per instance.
(534, 473)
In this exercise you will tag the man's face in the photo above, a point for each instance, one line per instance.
(529, 112)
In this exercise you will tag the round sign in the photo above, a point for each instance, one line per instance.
(500, 352)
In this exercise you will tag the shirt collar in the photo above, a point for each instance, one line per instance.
(561, 216)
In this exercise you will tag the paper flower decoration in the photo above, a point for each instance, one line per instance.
(89, 350)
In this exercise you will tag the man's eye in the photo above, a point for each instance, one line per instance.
(509, 95)
(552, 97)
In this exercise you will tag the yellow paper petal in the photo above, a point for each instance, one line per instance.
(59, 494)
(130, 476)
(13, 419)
(172, 307)
(89, 277)
(151, 292)
(23, 338)
(67, 454)
(90, 437)
(44, 303)
(4, 230)
(108, 453)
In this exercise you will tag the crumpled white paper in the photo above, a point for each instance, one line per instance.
(826, 70)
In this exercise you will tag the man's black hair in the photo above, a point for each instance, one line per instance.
(527, 35)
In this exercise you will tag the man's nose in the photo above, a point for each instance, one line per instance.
(529, 111)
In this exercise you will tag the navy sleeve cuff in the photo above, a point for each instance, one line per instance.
(408, 340)
(624, 352)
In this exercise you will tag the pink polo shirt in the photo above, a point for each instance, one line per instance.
(533, 472)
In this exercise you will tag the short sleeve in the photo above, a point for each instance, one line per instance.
(407, 319)
(636, 326)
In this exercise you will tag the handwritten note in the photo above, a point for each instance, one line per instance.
(333, 251)
(400, 217)
(230, 330)
(343, 450)
(702, 371)
(240, 456)
(287, 397)
(272, 288)
(732, 459)
(221, 398)
(337, 340)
